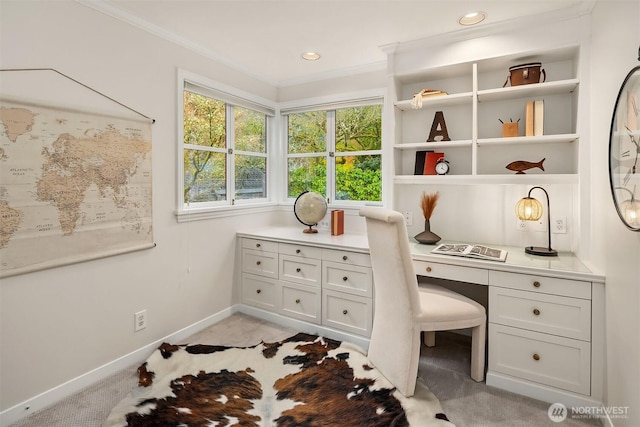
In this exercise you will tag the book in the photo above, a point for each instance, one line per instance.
(528, 120)
(430, 161)
(538, 118)
(471, 251)
(337, 222)
(419, 166)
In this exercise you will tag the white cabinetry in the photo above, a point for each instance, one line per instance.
(329, 287)
(540, 330)
(475, 105)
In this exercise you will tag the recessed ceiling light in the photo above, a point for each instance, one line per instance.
(472, 18)
(311, 56)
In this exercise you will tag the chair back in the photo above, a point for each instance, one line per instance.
(394, 347)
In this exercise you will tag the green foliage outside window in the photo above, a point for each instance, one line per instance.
(357, 177)
(205, 154)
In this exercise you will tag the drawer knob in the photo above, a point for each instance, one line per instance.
(428, 269)
(536, 284)
(536, 356)
(298, 251)
(536, 312)
(257, 245)
(258, 291)
(258, 262)
(345, 278)
(298, 301)
(344, 257)
(298, 270)
(344, 312)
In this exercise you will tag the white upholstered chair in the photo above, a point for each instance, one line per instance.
(403, 309)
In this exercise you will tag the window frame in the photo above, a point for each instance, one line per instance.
(232, 97)
(375, 97)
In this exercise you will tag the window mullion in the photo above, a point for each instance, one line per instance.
(230, 141)
(331, 159)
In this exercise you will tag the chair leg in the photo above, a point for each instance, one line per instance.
(478, 338)
(429, 338)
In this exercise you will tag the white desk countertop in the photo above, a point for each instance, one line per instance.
(565, 265)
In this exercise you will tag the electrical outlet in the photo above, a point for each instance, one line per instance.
(522, 225)
(408, 217)
(559, 225)
(324, 224)
(140, 320)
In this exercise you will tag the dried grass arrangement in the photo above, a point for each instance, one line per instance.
(428, 203)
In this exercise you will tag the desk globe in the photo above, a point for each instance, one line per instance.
(309, 208)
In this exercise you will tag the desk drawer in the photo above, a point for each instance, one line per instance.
(345, 257)
(554, 361)
(563, 316)
(260, 245)
(452, 272)
(260, 292)
(306, 271)
(260, 263)
(300, 250)
(343, 278)
(347, 312)
(301, 302)
(546, 285)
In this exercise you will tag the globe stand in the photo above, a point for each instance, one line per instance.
(310, 230)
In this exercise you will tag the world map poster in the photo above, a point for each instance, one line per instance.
(74, 186)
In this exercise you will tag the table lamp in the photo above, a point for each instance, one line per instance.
(530, 209)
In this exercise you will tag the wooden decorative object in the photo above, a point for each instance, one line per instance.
(438, 128)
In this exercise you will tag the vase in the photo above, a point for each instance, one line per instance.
(427, 237)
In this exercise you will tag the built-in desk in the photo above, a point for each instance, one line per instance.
(545, 315)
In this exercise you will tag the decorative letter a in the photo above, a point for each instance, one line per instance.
(438, 128)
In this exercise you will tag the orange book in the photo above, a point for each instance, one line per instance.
(337, 222)
(430, 163)
(528, 120)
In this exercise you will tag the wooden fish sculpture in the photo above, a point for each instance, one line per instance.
(519, 166)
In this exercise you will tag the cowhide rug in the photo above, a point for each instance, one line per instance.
(304, 380)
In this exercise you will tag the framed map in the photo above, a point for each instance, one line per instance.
(74, 186)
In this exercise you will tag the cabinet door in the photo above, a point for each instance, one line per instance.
(563, 316)
(547, 359)
(260, 263)
(347, 312)
(351, 279)
(301, 302)
(260, 292)
(306, 271)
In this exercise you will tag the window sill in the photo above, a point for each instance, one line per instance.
(223, 211)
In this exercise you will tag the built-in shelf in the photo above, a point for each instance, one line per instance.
(543, 139)
(431, 145)
(438, 101)
(527, 179)
(528, 91)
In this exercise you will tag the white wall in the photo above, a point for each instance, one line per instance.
(616, 250)
(60, 323)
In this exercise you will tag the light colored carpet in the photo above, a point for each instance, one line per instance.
(444, 368)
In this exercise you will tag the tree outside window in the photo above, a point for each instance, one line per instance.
(216, 148)
(345, 166)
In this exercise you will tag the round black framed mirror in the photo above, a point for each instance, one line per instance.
(624, 151)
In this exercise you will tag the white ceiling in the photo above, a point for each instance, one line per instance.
(266, 38)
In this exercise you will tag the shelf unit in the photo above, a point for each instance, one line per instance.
(477, 152)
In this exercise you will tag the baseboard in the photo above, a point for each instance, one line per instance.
(49, 397)
(302, 326)
(544, 393)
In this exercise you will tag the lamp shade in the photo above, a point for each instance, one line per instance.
(529, 209)
(630, 210)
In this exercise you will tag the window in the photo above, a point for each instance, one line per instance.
(336, 152)
(224, 148)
